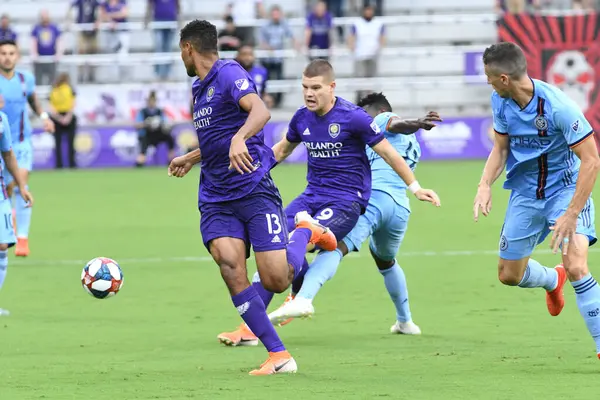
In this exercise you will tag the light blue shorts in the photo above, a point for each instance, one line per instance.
(528, 221)
(7, 231)
(384, 222)
(24, 153)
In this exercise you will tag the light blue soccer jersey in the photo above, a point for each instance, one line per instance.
(5, 145)
(542, 136)
(384, 178)
(15, 92)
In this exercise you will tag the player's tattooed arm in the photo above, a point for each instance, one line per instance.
(39, 111)
(410, 126)
(258, 115)
(283, 149)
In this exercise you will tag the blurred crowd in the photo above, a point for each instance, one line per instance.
(519, 6)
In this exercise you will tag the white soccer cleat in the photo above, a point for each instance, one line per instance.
(304, 216)
(297, 308)
(405, 328)
(4, 313)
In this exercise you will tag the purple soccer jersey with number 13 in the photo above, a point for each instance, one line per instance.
(248, 206)
(339, 172)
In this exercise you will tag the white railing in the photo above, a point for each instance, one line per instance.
(337, 53)
(294, 22)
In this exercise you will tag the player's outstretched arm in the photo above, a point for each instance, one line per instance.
(410, 126)
(399, 165)
(181, 165)
(494, 167)
(283, 149)
(258, 116)
(13, 168)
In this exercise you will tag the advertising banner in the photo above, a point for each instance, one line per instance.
(117, 146)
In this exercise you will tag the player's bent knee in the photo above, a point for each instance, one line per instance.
(3, 247)
(274, 283)
(510, 272)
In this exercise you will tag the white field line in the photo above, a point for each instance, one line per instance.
(204, 259)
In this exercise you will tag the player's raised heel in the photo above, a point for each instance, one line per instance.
(405, 328)
(289, 298)
(242, 336)
(277, 363)
(555, 299)
(321, 235)
(22, 249)
(297, 308)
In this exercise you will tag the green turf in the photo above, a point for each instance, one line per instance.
(157, 338)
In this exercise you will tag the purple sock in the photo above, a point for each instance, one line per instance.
(253, 311)
(296, 249)
(264, 294)
(297, 284)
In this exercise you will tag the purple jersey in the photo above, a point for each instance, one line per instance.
(320, 27)
(217, 118)
(165, 10)
(7, 34)
(259, 75)
(46, 37)
(338, 166)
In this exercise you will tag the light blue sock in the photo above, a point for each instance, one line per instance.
(23, 215)
(536, 275)
(321, 270)
(395, 283)
(3, 266)
(587, 293)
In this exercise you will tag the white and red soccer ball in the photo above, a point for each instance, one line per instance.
(102, 277)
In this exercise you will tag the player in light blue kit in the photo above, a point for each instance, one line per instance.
(17, 89)
(7, 232)
(384, 222)
(552, 162)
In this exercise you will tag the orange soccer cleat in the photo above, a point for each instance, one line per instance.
(280, 362)
(242, 336)
(22, 249)
(321, 235)
(555, 299)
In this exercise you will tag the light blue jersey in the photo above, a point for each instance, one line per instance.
(542, 134)
(384, 178)
(541, 168)
(5, 145)
(15, 92)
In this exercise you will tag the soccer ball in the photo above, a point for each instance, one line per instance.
(102, 277)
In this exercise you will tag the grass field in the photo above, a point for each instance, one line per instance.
(157, 338)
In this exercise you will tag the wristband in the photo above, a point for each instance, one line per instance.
(44, 115)
(414, 187)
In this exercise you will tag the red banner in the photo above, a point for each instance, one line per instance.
(563, 51)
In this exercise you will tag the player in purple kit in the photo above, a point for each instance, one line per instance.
(238, 201)
(335, 132)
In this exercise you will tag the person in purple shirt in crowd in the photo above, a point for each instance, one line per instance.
(319, 28)
(6, 33)
(87, 42)
(336, 134)
(258, 73)
(239, 203)
(116, 13)
(163, 11)
(45, 42)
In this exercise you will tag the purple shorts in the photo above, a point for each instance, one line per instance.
(338, 215)
(257, 219)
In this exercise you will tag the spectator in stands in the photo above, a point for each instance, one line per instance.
(245, 14)
(366, 41)
(87, 39)
(585, 5)
(515, 6)
(62, 103)
(258, 73)
(153, 130)
(45, 42)
(319, 29)
(377, 4)
(272, 37)
(6, 33)
(231, 37)
(116, 13)
(336, 7)
(163, 11)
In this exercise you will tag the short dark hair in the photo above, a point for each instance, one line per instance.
(229, 19)
(8, 41)
(319, 67)
(201, 34)
(507, 58)
(377, 100)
